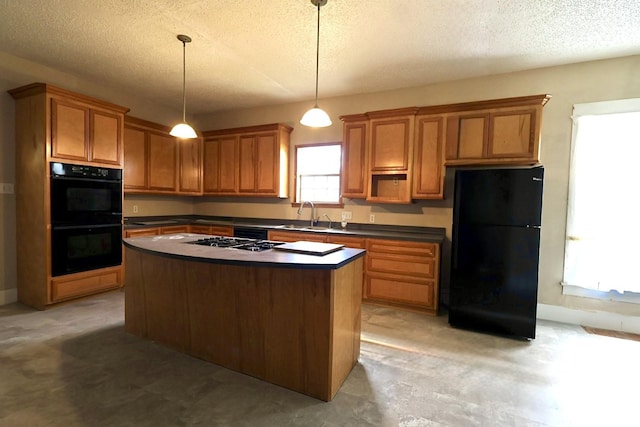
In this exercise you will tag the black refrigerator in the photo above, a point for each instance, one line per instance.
(495, 250)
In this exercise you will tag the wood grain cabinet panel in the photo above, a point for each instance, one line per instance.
(502, 131)
(216, 230)
(354, 156)
(162, 162)
(293, 236)
(403, 273)
(249, 162)
(221, 165)
(135, 159)
(190, 166)
(80, 132)
(428, 174)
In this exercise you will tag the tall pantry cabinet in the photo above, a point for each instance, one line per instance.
(56, 125)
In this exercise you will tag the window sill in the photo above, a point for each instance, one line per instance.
(577, 291)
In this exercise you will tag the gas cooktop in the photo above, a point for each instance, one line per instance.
(253, 245)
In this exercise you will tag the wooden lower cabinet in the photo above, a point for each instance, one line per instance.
(398, 273)
(85, 283)
(402, 273)
(173, 229)
(138, 232)
(214, 230)
(295, 236)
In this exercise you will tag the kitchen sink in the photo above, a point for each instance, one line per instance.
(304, 227)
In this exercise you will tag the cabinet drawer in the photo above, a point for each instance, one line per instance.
(348, 241)
(84, 284)
(216, 230)
(174, 229)
(401, 264)
(292, 236)
(423, 249)
(199, 229)
(390, 288)
(142, 232)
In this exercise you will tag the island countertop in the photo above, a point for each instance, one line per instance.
(177, 246)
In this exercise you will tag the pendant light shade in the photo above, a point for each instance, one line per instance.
(183, 130)
(316, 117)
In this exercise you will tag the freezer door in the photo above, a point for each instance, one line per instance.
(499, 196)
(494, 279)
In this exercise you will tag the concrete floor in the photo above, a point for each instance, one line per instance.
(74, 365)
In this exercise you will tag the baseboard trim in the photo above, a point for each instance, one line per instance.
(594, 319)
(7, 296)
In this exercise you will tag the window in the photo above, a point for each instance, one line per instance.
(604, 199)
(318, 173)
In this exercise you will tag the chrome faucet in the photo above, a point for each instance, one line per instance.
(329, 218)
(313, 211)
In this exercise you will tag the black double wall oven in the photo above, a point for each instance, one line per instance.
(86, 218)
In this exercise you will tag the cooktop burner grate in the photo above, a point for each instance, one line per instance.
(236, 243)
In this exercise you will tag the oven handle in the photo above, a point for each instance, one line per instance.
(78, 227)
(67, 178)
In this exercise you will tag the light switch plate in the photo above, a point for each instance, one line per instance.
(6, 188)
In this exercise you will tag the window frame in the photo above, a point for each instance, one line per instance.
(295, 203)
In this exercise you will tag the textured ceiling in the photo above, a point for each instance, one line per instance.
(262, 52)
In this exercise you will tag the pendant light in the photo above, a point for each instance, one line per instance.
(316, 117)
(183, 130)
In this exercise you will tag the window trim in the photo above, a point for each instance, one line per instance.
(295, 203)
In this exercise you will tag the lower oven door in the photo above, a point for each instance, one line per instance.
(84, 248)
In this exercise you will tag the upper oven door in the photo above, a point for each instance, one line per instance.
(87, 200)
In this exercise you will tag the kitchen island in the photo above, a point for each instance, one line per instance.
(287, 318)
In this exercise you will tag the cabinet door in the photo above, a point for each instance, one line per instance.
(69, 130)
(135, 159)
(428, 179)
(391, 143)
(221, 165)
(259, 164)
(247, 179)
(513, 134)
(106, 137)
(267, 161)
(354, 160)
(189, 166)
(467, 136)
(161, 162)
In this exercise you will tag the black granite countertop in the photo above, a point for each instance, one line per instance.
(177, 246)
(423, 234)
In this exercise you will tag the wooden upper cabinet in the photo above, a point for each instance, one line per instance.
(259, 164)
(390, 155)
(190, 166)
(162, 162)
(69, 130)
(354, 156)
(135, 159)
(250, 161)
(428, 174)
(495, 132)
(85, 132)
(220, 165)
(391, 140)
(150, 158)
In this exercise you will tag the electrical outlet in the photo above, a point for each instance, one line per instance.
(372, 218)
(346, 215)
(6, 188)
(135, 208)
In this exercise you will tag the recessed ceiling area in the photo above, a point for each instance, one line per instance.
(248, 53)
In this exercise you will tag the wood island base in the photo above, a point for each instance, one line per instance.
(295, 327)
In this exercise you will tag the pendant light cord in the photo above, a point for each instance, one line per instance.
(317, 54)
(184, 84)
